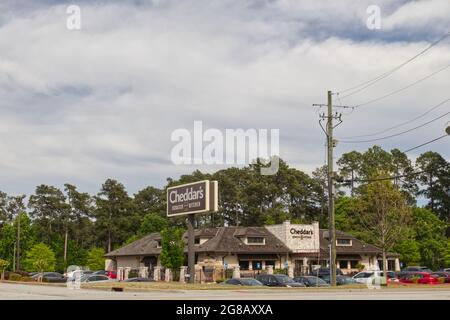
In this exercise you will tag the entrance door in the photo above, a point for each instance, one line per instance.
(150, 262)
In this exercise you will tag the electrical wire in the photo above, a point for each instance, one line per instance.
(372, 81)
(403, 88)
(402, 123)
(384, 179)
(397, 134)
(423, 144)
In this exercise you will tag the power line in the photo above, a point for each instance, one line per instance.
(403, 88)
(402, 123)
(382, 179)
(397, 134)
(372, 81)
(423, 144)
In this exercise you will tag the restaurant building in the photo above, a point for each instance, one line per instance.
(300, 247)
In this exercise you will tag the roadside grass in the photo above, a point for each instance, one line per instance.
(176, 286)
(150, 286)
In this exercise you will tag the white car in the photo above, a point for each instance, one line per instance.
(364, 276)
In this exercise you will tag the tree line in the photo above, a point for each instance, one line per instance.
(78, 228)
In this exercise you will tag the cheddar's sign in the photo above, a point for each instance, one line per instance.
(197, 197)
(301, 233)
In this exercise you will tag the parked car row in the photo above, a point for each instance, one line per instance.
(281, 280)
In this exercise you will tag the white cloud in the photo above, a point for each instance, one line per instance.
(81, 106)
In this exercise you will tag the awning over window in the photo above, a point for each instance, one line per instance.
(246, 257)
(348, 257)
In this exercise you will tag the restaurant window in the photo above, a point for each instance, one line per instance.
(343, 264)
(257, 265)
(344, 242)
(391, 264)
(255, 240)
(270, 263)
(243, 265)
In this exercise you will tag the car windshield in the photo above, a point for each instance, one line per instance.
(314, 280)
(284, 279)
(249, 282)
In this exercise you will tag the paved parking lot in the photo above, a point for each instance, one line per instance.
(33, 292)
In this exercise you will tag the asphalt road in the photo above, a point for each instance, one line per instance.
(41, 292)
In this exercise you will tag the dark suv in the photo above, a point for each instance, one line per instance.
(325, 272)
(278, 280)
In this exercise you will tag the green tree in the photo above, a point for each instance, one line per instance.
(3, 206)
(49, 212)
(40, 258)
(348, 213)
(350, 165)
(446, 255)
(409, 251)
(430, 235)
(386, 216)
(3, 265)
(150, 200)
(7, 242)
(16, 211)
(152, 222)
(76, 220)
(95, 259)
(115, 218)
(435, 179)
(172, 252)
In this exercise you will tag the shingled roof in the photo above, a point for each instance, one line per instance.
(358, 246)
(231, 240)
(147, 245)
(221, 240)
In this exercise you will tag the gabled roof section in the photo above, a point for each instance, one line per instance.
(147, 245)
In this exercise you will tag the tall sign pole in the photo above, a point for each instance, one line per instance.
(190, 199)
(191, 247)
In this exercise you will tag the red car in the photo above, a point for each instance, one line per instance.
(442, 274)
(109, 274)
(419, 277)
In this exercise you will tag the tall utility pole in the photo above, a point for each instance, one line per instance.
(332, 231)
(331, 178)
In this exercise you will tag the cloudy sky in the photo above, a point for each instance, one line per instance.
(80, 106)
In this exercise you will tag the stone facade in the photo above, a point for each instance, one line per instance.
(298, 237)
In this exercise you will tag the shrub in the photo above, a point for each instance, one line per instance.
(220, 280)
(359, 266)
(280, 271)
(228, 273)
(15, 277)
(27, 279)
